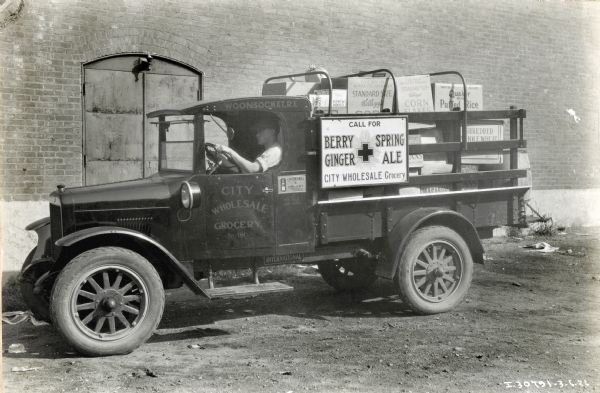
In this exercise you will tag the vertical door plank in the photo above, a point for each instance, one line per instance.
(164, 91)
(113, 125)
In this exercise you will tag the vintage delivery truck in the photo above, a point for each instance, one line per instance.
(343, 196)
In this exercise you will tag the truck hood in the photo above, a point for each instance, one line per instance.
(155, 191)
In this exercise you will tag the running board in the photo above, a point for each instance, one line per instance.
(239, 291)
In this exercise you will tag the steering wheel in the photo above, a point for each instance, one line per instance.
(218, 160)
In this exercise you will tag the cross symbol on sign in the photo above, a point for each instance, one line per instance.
(365, 152)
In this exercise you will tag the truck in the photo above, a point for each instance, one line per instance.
(344, 197)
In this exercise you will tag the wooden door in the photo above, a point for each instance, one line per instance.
(119, 142)
(114, 117)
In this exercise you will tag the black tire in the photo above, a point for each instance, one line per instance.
(348, 274)
(434, 254)
(38, 303)
(107, 286)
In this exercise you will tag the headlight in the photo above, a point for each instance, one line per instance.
(190, 195)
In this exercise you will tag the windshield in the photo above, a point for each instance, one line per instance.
(177, 145)
(216, 131)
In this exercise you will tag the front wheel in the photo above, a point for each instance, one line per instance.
(107, 301)
(435, 270)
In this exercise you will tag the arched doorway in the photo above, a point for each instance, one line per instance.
(118, 91)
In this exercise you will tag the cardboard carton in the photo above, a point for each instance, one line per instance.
(289, 88)
(469, 185)
(365, 94)
(435, 188)
(409, 190)
(414, 93)
(447, 96)
(415, 160)
(320, 101)
(350, 193)
(522, 163)
(484, 131)
(370, 95)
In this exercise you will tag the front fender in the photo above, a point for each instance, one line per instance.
(398, 237)
(89, 233)
(38, 224)
(41, 252)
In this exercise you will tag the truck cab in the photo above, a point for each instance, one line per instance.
(233, 211)
(343, 196)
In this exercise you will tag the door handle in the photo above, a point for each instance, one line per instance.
(267, 190)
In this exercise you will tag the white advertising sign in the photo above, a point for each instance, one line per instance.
(443, 102)
(369, 95)
(363, 151)
(484, 132)
(414, 93)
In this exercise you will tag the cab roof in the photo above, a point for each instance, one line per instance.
(266, 103)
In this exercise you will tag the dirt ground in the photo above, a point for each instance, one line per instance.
(529, 317)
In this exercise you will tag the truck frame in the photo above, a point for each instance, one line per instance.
(106, 253)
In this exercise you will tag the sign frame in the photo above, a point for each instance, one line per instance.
(363, 118)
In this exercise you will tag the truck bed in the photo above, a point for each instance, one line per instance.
(488, 198)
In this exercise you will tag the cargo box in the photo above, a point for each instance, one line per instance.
(444, 103)
(289, 88)
(320, 101)
(365, 95)
(415, 160)
(414, 93)
(484, 131)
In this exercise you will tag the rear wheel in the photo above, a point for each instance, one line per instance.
(348, 274)
(435, 270)
(107, 301)
(37, 298)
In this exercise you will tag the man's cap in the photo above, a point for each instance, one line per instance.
(265, 123)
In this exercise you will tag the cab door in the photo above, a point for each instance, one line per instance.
(240, 214)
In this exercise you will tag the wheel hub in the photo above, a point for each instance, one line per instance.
(109, 304)
(435, 269)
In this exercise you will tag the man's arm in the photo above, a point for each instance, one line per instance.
(245, 165)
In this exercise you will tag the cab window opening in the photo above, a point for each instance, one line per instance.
(237, 135)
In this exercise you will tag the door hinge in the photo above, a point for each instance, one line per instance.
(84, 160)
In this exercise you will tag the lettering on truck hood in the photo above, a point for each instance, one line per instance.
(261, 104)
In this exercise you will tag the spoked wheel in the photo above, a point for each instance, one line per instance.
(435, 270)
(348, 274)
(107, 301)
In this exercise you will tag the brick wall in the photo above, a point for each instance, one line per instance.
(540, 55)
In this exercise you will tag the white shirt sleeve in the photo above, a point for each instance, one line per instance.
(269, 158)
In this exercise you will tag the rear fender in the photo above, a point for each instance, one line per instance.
(398, 237)
(104, 234)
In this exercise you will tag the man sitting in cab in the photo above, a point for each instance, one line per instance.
(266, 136)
